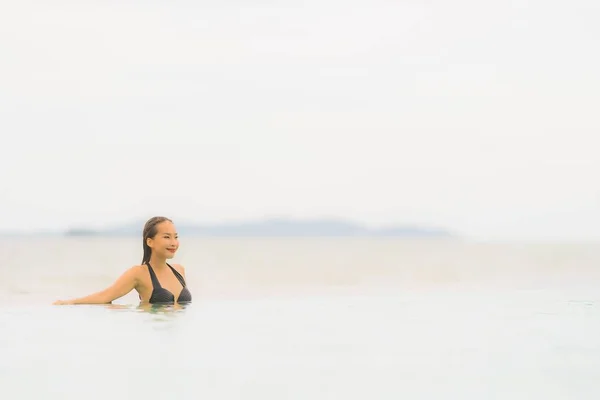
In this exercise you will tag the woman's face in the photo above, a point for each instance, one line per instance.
(166, 242)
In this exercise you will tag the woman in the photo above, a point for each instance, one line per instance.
(155, 280)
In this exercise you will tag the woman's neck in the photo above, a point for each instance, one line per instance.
(158, 262)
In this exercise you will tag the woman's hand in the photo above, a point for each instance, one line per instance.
(62, 302)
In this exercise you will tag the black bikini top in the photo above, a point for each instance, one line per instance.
(162, 295)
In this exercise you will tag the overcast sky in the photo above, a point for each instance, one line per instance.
(481, 117)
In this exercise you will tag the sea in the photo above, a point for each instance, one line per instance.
(305, 318)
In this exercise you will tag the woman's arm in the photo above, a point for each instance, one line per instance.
(123, 285)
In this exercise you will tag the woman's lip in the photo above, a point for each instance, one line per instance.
(172, 250)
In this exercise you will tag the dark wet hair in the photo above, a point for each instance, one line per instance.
(150, 232)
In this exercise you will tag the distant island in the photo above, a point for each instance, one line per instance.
(275, 228)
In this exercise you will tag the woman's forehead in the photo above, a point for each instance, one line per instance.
(166, 227)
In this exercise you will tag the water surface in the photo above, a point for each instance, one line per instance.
(422, 321)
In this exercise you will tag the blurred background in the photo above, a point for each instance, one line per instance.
(475, 117)
(443, 152)
(389, 121)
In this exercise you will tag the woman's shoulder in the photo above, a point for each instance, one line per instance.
(136, 269)
(179, 268)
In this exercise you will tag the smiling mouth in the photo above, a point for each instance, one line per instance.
(172, 250)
